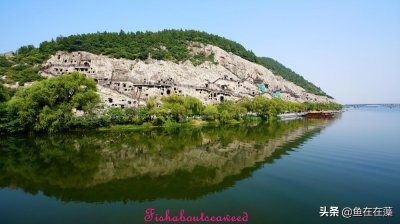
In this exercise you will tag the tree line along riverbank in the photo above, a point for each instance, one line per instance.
(50, 105)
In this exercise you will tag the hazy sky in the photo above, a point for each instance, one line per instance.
(351, 49)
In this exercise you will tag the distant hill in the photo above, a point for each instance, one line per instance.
(170, 45)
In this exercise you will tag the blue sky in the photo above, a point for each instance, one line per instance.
(350, 48)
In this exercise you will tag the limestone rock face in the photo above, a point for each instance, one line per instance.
(125, 83)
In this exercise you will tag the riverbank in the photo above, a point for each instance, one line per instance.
(29, 111)
(192, 123)
(203, 123)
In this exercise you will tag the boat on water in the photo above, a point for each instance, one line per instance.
(291, 115)
(309, 114)
(319, 114)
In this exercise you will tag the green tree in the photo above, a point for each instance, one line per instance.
(4, 62)
(210, 112)
(5, 93)
(117, 115)
(261, 106)
(193, 105)
(47, 105)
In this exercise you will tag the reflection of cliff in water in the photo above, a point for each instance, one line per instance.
(159, 163)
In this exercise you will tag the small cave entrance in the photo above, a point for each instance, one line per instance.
(168, 91)
(221, 98)
(110, 100)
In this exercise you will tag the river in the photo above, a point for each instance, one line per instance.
(277, 172)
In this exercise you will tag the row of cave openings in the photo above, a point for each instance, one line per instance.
(79, 69)
(78, 61)
(79, 64)
(216, 96)
(128, 87)
(122, 105)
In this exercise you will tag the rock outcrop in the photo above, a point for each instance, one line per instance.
(124, 83)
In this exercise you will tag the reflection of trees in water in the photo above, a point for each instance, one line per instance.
(183, 163)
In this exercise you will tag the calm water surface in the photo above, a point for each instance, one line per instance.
(278, 172)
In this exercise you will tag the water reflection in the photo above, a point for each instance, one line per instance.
(181, 163)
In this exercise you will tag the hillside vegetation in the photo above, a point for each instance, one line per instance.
(50, 105)
(164, 45)
(281, 70)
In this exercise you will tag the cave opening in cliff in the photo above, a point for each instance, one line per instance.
(221, 98)
(168, 91)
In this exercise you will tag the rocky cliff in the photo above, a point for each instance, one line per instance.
(125, 83)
